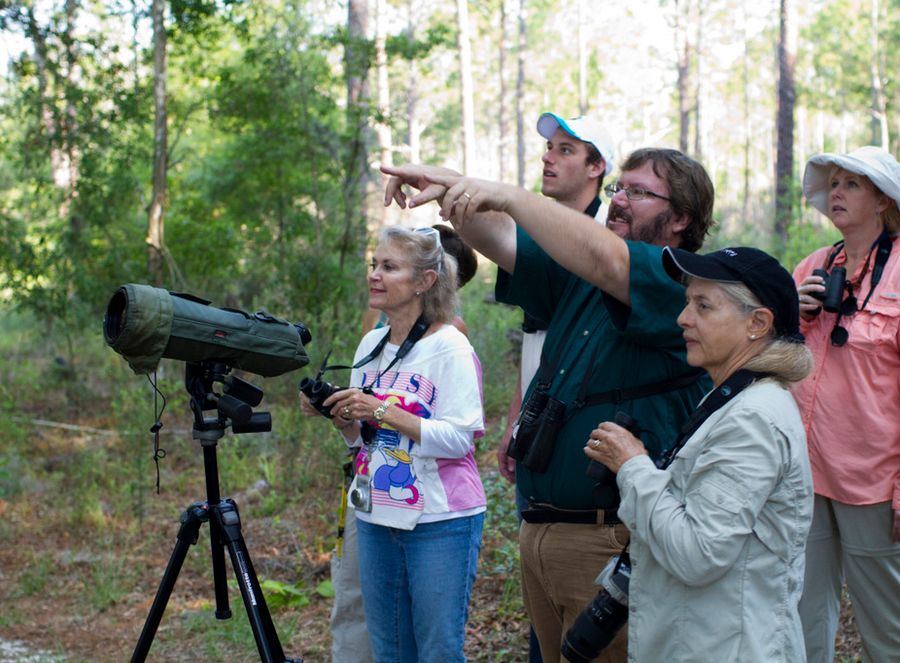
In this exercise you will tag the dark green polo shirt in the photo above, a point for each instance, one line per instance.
(630, 347)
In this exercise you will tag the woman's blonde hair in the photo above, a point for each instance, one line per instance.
(785, 360)
(424, 250)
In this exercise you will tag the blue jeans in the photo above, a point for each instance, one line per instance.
(416, 586)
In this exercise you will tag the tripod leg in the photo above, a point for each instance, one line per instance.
(217, 549)
(267, 642)
(191, 519)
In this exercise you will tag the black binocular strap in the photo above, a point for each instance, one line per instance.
(884, 244)
(641, 391)
(735, 384)
(583, 399)
(418, 330)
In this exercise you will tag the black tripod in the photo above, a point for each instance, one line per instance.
(234, 407)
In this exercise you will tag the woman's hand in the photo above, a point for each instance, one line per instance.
(809, 304)
(352, 404)
(612, 445)
(307, 408)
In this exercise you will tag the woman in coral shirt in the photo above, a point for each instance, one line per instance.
(850, 404)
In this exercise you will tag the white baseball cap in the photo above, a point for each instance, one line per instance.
(584, 129)
(873, 162)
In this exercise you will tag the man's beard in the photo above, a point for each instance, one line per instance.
(651, 232)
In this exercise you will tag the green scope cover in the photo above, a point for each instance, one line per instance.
(145, 324)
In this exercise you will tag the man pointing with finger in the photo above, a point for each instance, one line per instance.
(612, 345)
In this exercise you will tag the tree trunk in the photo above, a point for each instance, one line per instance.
(502, 124)
(53, 125)
(412, 93)
(156, 247)
(698, 90)
(465, 88)
(382, 126)
(520, 96)
(745, 108)
(879, 104)
(683, 50)
(582, 61)
(784, 161)
(356, 169)
(69, 128)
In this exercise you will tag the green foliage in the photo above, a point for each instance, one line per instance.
(840, 58)
(283, 595)
(436, 36)
(35, 578)
(804, 239)
(107, 582)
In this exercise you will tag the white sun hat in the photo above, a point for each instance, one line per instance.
(873, 162)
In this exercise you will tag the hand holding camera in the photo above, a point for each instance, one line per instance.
(317, 391)
(607, 450)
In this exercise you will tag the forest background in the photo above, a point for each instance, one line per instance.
(230, 149)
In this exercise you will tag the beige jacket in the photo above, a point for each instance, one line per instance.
(717, 539)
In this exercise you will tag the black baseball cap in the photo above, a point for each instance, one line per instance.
(760, 272)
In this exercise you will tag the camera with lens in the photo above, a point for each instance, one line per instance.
(317, 391)
(535, 431)
(596, 626)
(606, 491)
(833, 294)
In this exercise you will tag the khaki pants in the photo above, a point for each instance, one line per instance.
(559, 564)
(852, 543)
(349, 636)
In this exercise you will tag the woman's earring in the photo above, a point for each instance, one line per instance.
(752, 337)
(418, 293)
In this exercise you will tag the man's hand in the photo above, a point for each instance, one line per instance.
(416, 176)
(465, 196)
(506, 464)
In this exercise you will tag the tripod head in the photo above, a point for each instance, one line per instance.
(234, 403)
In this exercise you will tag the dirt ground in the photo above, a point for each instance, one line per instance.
(82, 593)
(59, 620)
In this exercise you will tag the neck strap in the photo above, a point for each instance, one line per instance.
(420, 326)
(885, 243)
(735, 384)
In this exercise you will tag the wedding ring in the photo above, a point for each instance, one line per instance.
(468, 197)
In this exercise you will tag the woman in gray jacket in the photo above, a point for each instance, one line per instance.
(717, 534)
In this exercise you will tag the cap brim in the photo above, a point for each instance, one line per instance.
(548, 123)
(678, 262)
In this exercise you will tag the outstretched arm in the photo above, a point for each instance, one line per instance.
(575, 241)
(491, 234)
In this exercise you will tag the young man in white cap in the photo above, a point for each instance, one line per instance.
(613, 344)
